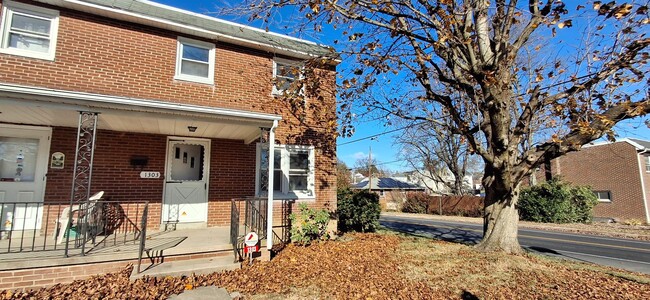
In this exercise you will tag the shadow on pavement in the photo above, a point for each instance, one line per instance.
(456, 235)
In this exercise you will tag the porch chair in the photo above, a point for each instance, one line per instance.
(63, 222)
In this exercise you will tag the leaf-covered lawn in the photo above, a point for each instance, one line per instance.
(379, 266)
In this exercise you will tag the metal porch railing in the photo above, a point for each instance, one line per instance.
(34, 227)
(254, 219)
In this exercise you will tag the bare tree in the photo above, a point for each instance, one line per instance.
(367, 167)
(463, 59)
(438, 157)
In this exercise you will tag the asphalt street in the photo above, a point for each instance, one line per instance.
(626, 254)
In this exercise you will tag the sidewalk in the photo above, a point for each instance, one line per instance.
(601, 229)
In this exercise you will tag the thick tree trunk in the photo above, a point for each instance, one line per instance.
(501, 217)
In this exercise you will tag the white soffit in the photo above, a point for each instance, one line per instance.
(100, 103)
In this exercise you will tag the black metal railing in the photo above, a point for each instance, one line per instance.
(282, 232)
(76, 229)
(235, 235)
(255, 216)
(143, 235)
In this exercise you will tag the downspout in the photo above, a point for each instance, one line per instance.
(269, 205)
(643, 187)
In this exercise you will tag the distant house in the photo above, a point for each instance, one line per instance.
(392, 191)
(618, 172)
(438, 187)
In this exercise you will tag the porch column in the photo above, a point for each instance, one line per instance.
(269, 206)
(83, 166)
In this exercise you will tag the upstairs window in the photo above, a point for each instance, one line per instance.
(195, 61)
(293, 171)
(647, 163)
(285, 73)
(28, 30)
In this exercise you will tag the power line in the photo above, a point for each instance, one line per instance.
(411, 125)
(375, 135)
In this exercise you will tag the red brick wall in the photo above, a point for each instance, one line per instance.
(612, 167)
(34, 278)
(99, 55)
(104, 56)
(232, 171)
(41, 277)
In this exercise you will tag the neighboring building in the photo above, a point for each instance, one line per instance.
(391, 191)
(358, 177)
(170, 106)
(436, 187)
(618, 172)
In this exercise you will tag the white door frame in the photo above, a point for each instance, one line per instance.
(44, 135)
(206, 166)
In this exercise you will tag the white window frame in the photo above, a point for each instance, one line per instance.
(604, 199)
(647, 164)
(284, 192)
(282, 61)
(179, 58)
(9, 8)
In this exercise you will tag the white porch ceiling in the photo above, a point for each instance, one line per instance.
(129, 121)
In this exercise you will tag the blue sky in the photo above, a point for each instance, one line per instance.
(382, 146)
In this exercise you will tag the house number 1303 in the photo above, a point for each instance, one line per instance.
(149, 174)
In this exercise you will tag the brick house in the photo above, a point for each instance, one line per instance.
(618, 172)
(152, 103)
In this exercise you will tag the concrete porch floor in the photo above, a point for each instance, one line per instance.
(173, 243)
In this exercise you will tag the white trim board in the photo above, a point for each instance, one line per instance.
(626, 140)
(123, 103)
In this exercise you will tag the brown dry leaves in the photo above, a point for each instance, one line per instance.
(375, 266)
(453, 269)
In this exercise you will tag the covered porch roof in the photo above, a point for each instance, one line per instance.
(50, 107)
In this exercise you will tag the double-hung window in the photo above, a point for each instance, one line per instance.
(293, 171)
(647, 163)
(285, 73)
(28, 30)
(195, 61)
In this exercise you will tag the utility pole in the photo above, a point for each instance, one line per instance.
(369, 168)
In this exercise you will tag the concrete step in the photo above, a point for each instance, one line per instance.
(189, 267)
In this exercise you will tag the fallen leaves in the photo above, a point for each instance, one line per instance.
(375, 266)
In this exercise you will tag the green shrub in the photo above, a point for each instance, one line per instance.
(557, 201)
(358, 211)
(417, 203)
(309, 225)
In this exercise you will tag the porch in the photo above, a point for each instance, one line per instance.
(176, 244)
(184, 163)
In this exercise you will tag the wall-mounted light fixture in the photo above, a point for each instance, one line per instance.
(191, 128)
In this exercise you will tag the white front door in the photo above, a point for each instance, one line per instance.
(186, 181)
(24, 152)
